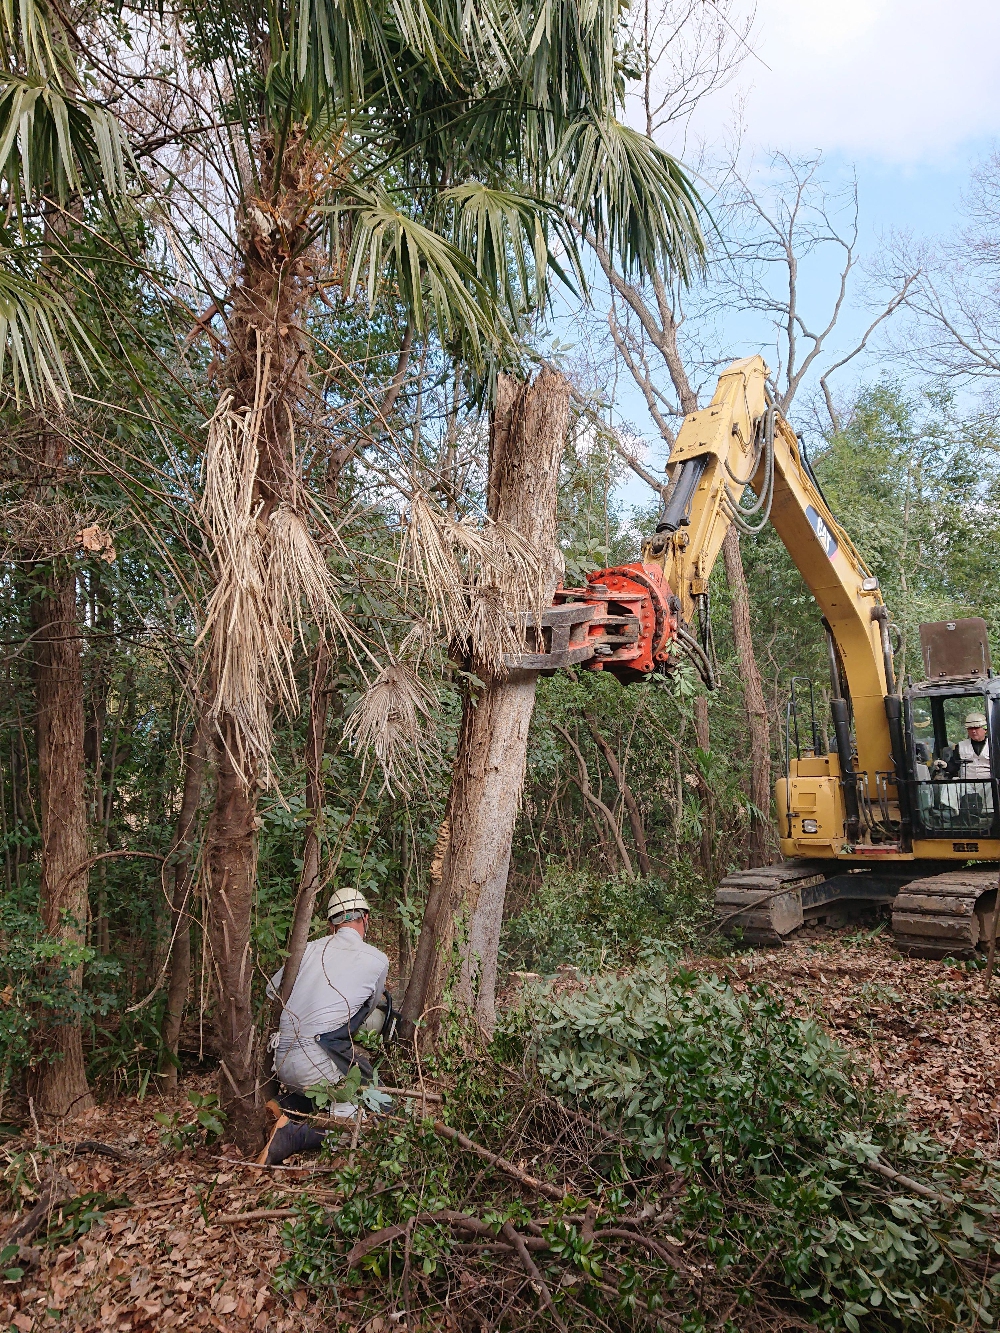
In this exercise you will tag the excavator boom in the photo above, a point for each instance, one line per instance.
(860, 820)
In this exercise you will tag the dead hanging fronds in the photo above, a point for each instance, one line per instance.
(271, 579)
(388, 722)
(478, 580)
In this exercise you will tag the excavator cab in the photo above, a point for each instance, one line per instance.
(952, 799)
(946, 806)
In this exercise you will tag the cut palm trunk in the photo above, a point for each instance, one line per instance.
(527, 440)
(59, 1082)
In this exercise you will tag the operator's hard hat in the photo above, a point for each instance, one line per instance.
(976, 720)
(346, 900)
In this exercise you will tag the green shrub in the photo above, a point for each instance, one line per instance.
(37, 992)
(578, 917)
(775, 1133)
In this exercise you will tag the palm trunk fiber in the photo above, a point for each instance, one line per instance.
(180, 923)
(527, 439)
(59, 1084)
(232, 880)
(305, 899)
(753, 693)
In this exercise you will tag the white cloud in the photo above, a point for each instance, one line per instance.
(906, 81)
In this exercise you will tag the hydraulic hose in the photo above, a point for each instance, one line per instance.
(848, 777)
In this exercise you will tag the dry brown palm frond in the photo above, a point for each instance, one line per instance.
(271, 579)
(489, 632)
(478, 580)
(428, 558)
(298, 577)
(418, 639)
(388, 722)
(242, 654)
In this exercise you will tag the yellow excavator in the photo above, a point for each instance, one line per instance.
(872, 814)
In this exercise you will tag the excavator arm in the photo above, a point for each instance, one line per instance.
(635, 618)
(861, 824)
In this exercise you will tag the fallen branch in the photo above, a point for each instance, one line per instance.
(501, 1163)
(411, 1092)
(57, 1190)
(914, 1186)
(641, 1238)
(531, 1268)
(256, 1215)
(101, 1150)
(461, 1221)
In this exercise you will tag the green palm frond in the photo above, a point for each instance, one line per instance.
(436, 281)
(507, 235)
(633, 195)
(57, 144)
(35, 328)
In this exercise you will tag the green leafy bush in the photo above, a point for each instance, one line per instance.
(578, 917)
(37, 992)
(207, 1125)
(784, 1147)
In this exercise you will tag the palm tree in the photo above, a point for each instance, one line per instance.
(432, 150)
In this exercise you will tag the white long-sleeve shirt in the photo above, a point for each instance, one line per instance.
(337, 975)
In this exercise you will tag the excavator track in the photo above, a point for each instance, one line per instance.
(765, 904)
(949, 915)
(945, 916)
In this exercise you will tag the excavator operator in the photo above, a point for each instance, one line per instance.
(970, 759)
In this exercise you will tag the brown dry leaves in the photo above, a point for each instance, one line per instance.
(926, 1030)
(158, 1265)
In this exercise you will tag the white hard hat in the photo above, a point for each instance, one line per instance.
(976, 720)
(343, 901)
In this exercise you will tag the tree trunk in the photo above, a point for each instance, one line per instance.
(265, 371)
(703, 739)
(232, 877)
(753, 693)
(305, 899)
(625, 791)
(180, 922)
(527, 439)
(60, 1084)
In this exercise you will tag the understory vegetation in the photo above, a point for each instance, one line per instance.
(674, 1153)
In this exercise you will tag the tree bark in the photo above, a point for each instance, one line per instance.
(591, 798)
(625, 791)
(753, 694)
(265, 370)
(703, 739)
(60, 1084)
(305, 899)
(232, 879)
(180, 922)
(527, 440)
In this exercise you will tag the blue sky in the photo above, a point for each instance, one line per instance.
(904, 93)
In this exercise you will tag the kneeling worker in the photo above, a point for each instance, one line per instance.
(340, 981)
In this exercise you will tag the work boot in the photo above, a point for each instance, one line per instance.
(290, 1137)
